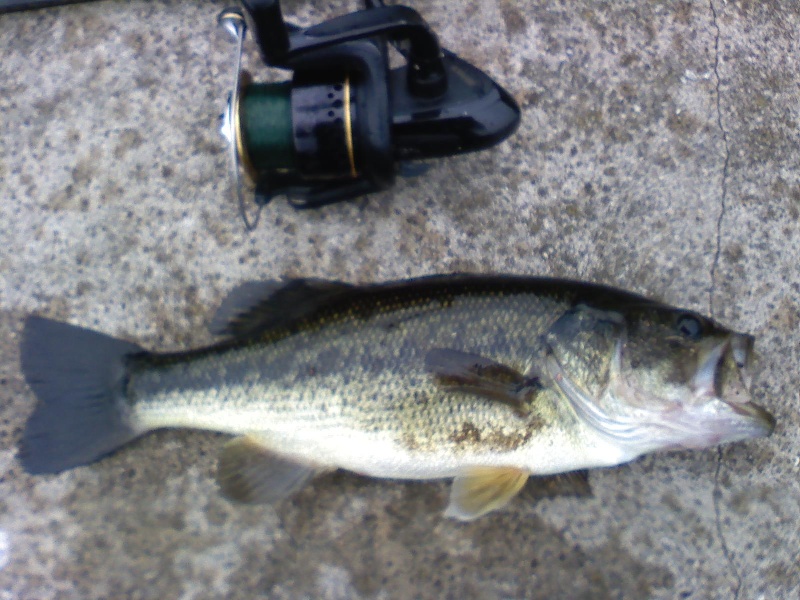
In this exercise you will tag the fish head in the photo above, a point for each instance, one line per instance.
(669, 378)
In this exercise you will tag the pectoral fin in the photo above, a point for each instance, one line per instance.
(248, 472)
(475, 374)
(482, 490)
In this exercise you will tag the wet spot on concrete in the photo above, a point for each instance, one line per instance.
(513, 18)
(128, 139)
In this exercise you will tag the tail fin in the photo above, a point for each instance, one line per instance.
(78, 376)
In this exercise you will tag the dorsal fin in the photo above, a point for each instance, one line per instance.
(257, 306)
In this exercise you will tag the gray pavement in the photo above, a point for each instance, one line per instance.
(659, 152)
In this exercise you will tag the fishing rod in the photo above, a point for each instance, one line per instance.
(17, 5)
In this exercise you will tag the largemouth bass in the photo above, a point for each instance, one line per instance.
(484, 379)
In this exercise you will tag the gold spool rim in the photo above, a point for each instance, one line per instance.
(241, 147)
(348, 128)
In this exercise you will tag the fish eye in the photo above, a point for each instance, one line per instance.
(689, 327)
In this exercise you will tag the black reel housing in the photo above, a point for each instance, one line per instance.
(340, 127)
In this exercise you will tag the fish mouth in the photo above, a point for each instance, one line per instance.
(724, 371)
(724, 374)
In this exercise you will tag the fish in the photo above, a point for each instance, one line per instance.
(487, 380)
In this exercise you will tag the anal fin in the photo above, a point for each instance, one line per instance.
(249, 472)
(483, 489)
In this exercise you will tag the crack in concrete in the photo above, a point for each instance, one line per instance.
(717, 493)
(717, 497)
(727, 155)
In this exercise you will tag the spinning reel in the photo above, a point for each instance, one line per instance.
(346, 122)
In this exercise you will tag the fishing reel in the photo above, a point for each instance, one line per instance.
(347, 123)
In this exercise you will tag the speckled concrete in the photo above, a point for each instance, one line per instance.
(659, 151)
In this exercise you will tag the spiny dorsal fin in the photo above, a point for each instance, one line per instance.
(475, 374)
(483, 489)
(249, 472)
(257, 306)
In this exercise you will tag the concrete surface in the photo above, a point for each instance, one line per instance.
(658, 152)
